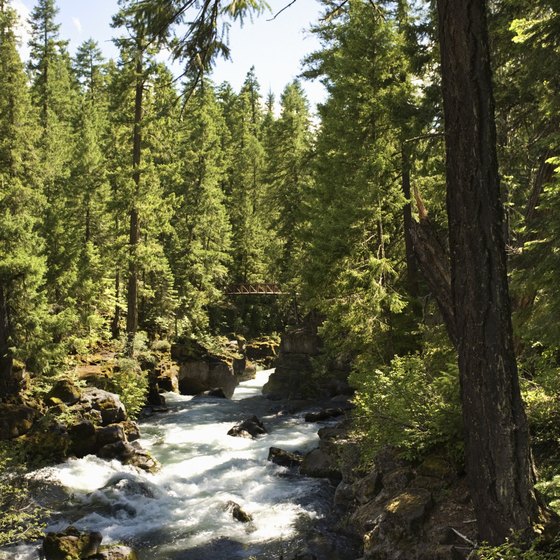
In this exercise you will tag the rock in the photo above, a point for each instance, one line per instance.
(109, 434)
(368, 487)
(318, 464)
(238, 513)
(300, 341)
(108, 404)
(243, 368)
(344, 495)
(284, 458)
(131, 430)
(128, 454)
(262, 351)
(154, 397)
(324, 414)
(71, 544)
(217, 393)
(15, 420)
(115, 552)
(410, 508)
(82, 439)
(198, 376)
(64, 391)
(249, 428)
(397, 480)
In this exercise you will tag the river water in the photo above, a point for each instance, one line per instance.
(180, 513)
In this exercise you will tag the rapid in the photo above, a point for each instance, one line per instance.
(180, 513)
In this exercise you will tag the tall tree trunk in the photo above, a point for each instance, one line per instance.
(498, 456)
(134, 230)
(411, 262)
(8, 384)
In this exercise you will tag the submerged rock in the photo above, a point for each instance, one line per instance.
(284, 458)
(249, 428)
(238, 513)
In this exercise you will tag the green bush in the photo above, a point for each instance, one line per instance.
(131, 384)
(412, 404)
(512, 550)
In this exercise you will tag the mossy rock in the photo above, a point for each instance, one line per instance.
(71, 544)
(64, 391)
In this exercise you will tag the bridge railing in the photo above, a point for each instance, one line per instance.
(254, 289)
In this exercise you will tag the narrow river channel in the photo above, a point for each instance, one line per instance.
(180, 513)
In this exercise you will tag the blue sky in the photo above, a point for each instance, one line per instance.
(275, 48)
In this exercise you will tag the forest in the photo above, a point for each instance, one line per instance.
(414, 221)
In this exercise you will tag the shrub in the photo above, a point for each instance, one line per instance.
(412, 404)
(131, 384)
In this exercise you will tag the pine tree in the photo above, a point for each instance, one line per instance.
(53, 92)
(289, 180)
(21, 265)
(201, 242)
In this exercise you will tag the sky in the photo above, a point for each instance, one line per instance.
(275, 48)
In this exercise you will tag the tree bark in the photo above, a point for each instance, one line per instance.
(497, 452)
(411, 262)
(433, 257)
(8, 384)
(134, 229)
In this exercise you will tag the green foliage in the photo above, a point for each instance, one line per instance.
(412, 403)
(131, 384)
(539, 549)
(21, 518)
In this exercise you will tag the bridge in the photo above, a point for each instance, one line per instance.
(268, 289)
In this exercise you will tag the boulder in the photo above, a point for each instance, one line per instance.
(212, 393)
(129, 454)
(71, 544)
(249, 428)
(367, 488)
(284, 458)
(64, 391)
(109, 434)
(83, 440)
(198, 376)
(300, 341)
(107, 404)
(238, 513)
(318, 464)
(131, 430)
(15, 420)
(325, 414)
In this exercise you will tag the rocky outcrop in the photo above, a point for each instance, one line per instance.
(292, 377)
(64, 391)
(401, 509)
(106, 407)
(249, 428)
(200, 370)
(262, 351)
(15, 420)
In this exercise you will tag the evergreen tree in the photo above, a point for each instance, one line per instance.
(21, 264)
(201, 242)
(246, 188)
(290, 179)
(53, 92)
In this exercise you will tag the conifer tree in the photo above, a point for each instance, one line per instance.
(53, 92)
(201, 242)
(21, 264)
(289, 179)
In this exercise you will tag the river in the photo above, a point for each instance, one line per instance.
(180, 513)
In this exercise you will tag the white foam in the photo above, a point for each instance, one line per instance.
(202, 469)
